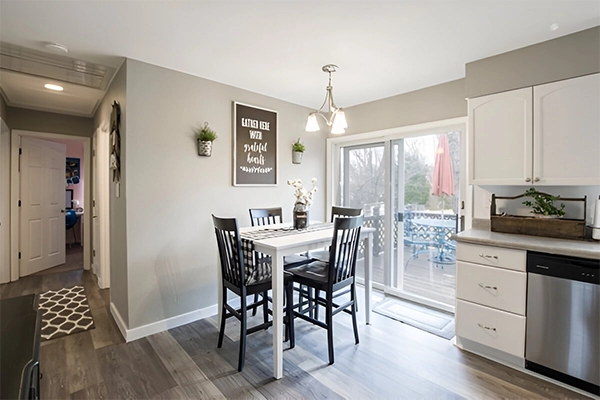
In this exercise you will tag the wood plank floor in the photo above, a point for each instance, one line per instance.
(392, 361)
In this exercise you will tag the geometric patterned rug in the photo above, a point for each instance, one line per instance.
(64, 312)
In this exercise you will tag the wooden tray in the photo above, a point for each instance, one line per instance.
(562, 228)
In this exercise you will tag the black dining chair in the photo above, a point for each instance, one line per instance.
(323, 255)
(271, 216)
(336, 212)
(333, 276)
(243, 274)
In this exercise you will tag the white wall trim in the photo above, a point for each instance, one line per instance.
(118, 320)
(163, 325)
(15, 185)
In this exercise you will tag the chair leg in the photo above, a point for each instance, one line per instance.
(354, 310)
(255, 301)
(329, 323)
(223, 318)
(243, 332)
(289, 310)
(265, 304)
(317, 292)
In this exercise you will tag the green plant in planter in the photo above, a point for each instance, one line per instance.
(298, 146)
(205, 134)
(543, 203)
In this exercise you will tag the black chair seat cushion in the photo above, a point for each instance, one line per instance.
(315, 271)
(287, 278)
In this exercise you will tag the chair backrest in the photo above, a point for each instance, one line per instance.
(230, 250)
(344, 248)
(337, 211)
(265, 216)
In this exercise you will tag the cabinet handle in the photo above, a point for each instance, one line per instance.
(536, 179)
(489, 258)
(486, 327)
(527, 179)
(481, 285)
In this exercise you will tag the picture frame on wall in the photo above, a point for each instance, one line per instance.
(254, 146)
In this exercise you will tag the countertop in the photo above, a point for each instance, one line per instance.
(575, 248)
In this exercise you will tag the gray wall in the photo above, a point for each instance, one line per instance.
(565, 57)
(118, 205)
(2, 108)
(172, 259)
(41, 121)
(433, 103)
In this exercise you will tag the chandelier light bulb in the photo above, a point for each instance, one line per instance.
(312, 125)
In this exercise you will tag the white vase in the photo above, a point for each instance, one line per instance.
(204, 148)
(297, 157)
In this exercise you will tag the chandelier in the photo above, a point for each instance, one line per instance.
(335, 117)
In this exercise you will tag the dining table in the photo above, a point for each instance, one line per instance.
(280, 240)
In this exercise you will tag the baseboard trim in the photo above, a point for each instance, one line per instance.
(119, 320)
(159, 326)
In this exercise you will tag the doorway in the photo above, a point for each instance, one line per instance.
(410, 184)
(82, 236)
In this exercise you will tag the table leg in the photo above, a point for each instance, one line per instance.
(277, 277)
(368, 272)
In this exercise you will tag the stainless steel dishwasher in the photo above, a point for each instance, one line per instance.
(563, 319)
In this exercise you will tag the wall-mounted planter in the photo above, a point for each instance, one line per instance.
(297, 157)
(204, 148)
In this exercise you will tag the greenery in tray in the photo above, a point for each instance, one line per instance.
(205, 134)
(298, 146)
(543, 203)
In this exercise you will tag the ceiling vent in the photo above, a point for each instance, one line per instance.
(41, 64)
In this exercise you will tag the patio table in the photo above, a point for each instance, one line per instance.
(439, 231)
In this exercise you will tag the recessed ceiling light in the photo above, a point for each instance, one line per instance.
(57, 47)
(554, 26)
(53, 87)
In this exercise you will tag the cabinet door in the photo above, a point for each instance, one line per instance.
(567, 132)
(500, 137)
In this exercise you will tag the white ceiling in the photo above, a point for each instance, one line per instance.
(277, 48)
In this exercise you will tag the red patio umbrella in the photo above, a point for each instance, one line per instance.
(443, 178)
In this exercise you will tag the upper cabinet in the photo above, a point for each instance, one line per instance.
(566, 132)
(500, 137)
(545, 135)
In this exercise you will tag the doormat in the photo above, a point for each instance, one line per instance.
(433, 321)
(64, 312)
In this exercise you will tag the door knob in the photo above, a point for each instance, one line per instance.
(62, 211)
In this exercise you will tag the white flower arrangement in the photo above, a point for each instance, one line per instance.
(303, 196)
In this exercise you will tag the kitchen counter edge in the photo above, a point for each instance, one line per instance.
(574, 248)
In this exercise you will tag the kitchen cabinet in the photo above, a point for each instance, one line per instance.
(542, 135)
(566, 132)
(501, 138)
(491, 288)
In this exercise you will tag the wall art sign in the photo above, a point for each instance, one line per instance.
(254, 146)
(72, 171)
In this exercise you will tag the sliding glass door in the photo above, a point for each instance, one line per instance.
(409, 191)
(425, 192)
(363, 186)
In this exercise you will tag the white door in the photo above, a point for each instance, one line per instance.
(100, 223)
(501, 138)
(42, 218)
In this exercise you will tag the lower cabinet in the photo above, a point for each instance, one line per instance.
(500, 330)
(491, 295)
